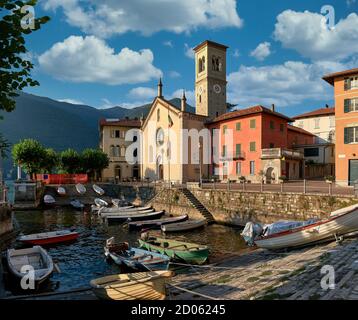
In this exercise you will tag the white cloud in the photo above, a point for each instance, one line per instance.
(71, 101)
(262, 51)
(174, 74)
(236, 53)
(309, 34)
(284, 85)
(144, 93)
(189, 51)
(90, 59)
(105, 18)
(168, 44)
(190, 96)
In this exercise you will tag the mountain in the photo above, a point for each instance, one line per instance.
(61, 125)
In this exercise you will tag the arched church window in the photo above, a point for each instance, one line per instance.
(200, 65)
(203, 64)
(219, 64)
(158, 115)
(213, 63)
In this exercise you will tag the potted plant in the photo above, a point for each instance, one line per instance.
(282, 179)
(242, 179)
(329, 179)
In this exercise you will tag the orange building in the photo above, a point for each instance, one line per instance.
(256, 143)
(346, 113)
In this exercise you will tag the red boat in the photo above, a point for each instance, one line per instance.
(47, 238)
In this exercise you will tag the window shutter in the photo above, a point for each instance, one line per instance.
(347, 104)
(346, 139)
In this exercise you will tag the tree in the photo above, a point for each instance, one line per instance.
(70, 161)
(15, 68)
(4, 147)
(30, 155)
(94, 161)
(50, 162)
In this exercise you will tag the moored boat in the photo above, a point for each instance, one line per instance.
(119, 203)
(284, 235)
(98, 189)
(77, 204)
(184, 226)
(47, 238)
(122, 213)
(135, 258)
(81, 189)
(156, 224)
(100, 203)
(135, 217)
(122, 209)
(132, 286)
(188, 252)
(61, 191)
(49, 200)
(35, 257)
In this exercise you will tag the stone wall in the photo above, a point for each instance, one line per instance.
(6, 225)
(237, 208)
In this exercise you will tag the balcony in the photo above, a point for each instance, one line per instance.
(236, 156)
(279, 153)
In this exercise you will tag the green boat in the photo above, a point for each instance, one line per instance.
(189, 252)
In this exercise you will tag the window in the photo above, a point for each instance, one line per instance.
(252, 167)
(238, 150)
(252, 146)
(224, 151)
(123, 151)
(111, 151)
(332, 121)
(123, 134)
(311, 152)
(316, 123)
(351, 105)
(238, 168)
(158, 115)
(202, 64)
(281, 127)
(253, 123)
(199, 98)
(238, 126)
(350, 135)
(272, 125)
(115, 133)
(351, 83)
(224, 129)
(216, 63)
(272, 145)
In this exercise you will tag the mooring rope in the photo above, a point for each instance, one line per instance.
(195, 293)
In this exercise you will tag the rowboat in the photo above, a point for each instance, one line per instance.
(61, 191)
(288, 235)
(122, 209)
(135, 258)
(95, 208)
(47, 238)
(35, 257)
(81, 189)
(100, 203)
(77, 204)
(122, 213)
(184, 226)
(156, 224)
(132, 286)
(135, 217)
(98, 190)
(49, 200)
(189, 252)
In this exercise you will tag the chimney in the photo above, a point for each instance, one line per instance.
(160, 88)
(273, 107)
(183, 102)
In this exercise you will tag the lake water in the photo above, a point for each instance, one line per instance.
(84, 259)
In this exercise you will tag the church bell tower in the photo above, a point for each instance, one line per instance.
(210, 79)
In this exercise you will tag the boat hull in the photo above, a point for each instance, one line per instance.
(126, 218)
(52, 240)
(322, 231)
(156, 224)
(183, 226)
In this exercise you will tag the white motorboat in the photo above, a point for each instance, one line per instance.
(184, 226)
(98, 190)
(81, 189)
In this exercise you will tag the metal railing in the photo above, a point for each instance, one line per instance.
(280, 152)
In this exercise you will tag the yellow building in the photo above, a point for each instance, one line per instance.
(112, 142)
(170, 151)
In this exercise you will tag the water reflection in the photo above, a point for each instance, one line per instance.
(83, 260)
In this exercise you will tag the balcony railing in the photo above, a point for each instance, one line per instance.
(278, 153)
(235, 156)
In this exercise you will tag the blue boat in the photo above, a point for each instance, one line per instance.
(135, 258)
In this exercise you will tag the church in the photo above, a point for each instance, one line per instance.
(167, 152)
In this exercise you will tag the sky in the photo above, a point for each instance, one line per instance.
(107, 53)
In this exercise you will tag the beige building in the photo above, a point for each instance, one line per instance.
(320, 156)
(113, 143)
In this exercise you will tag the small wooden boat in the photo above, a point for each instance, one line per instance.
(36, 257)
(104, 215)
(100, 203)
(132, 286)
(156, 224)
(77, 204)
(340, 223)
(135, 258)
(49, 200)
(61, 191)
(98, 190)
(122, 209)
(184, 226)
(135, 217)
(95, 208)
(188, 252)
(81, 189)
(47, 238)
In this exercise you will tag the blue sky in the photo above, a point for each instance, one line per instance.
(107, 52)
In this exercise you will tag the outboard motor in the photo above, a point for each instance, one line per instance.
(251, 232)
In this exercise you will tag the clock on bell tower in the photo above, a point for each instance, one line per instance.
(210, 79)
